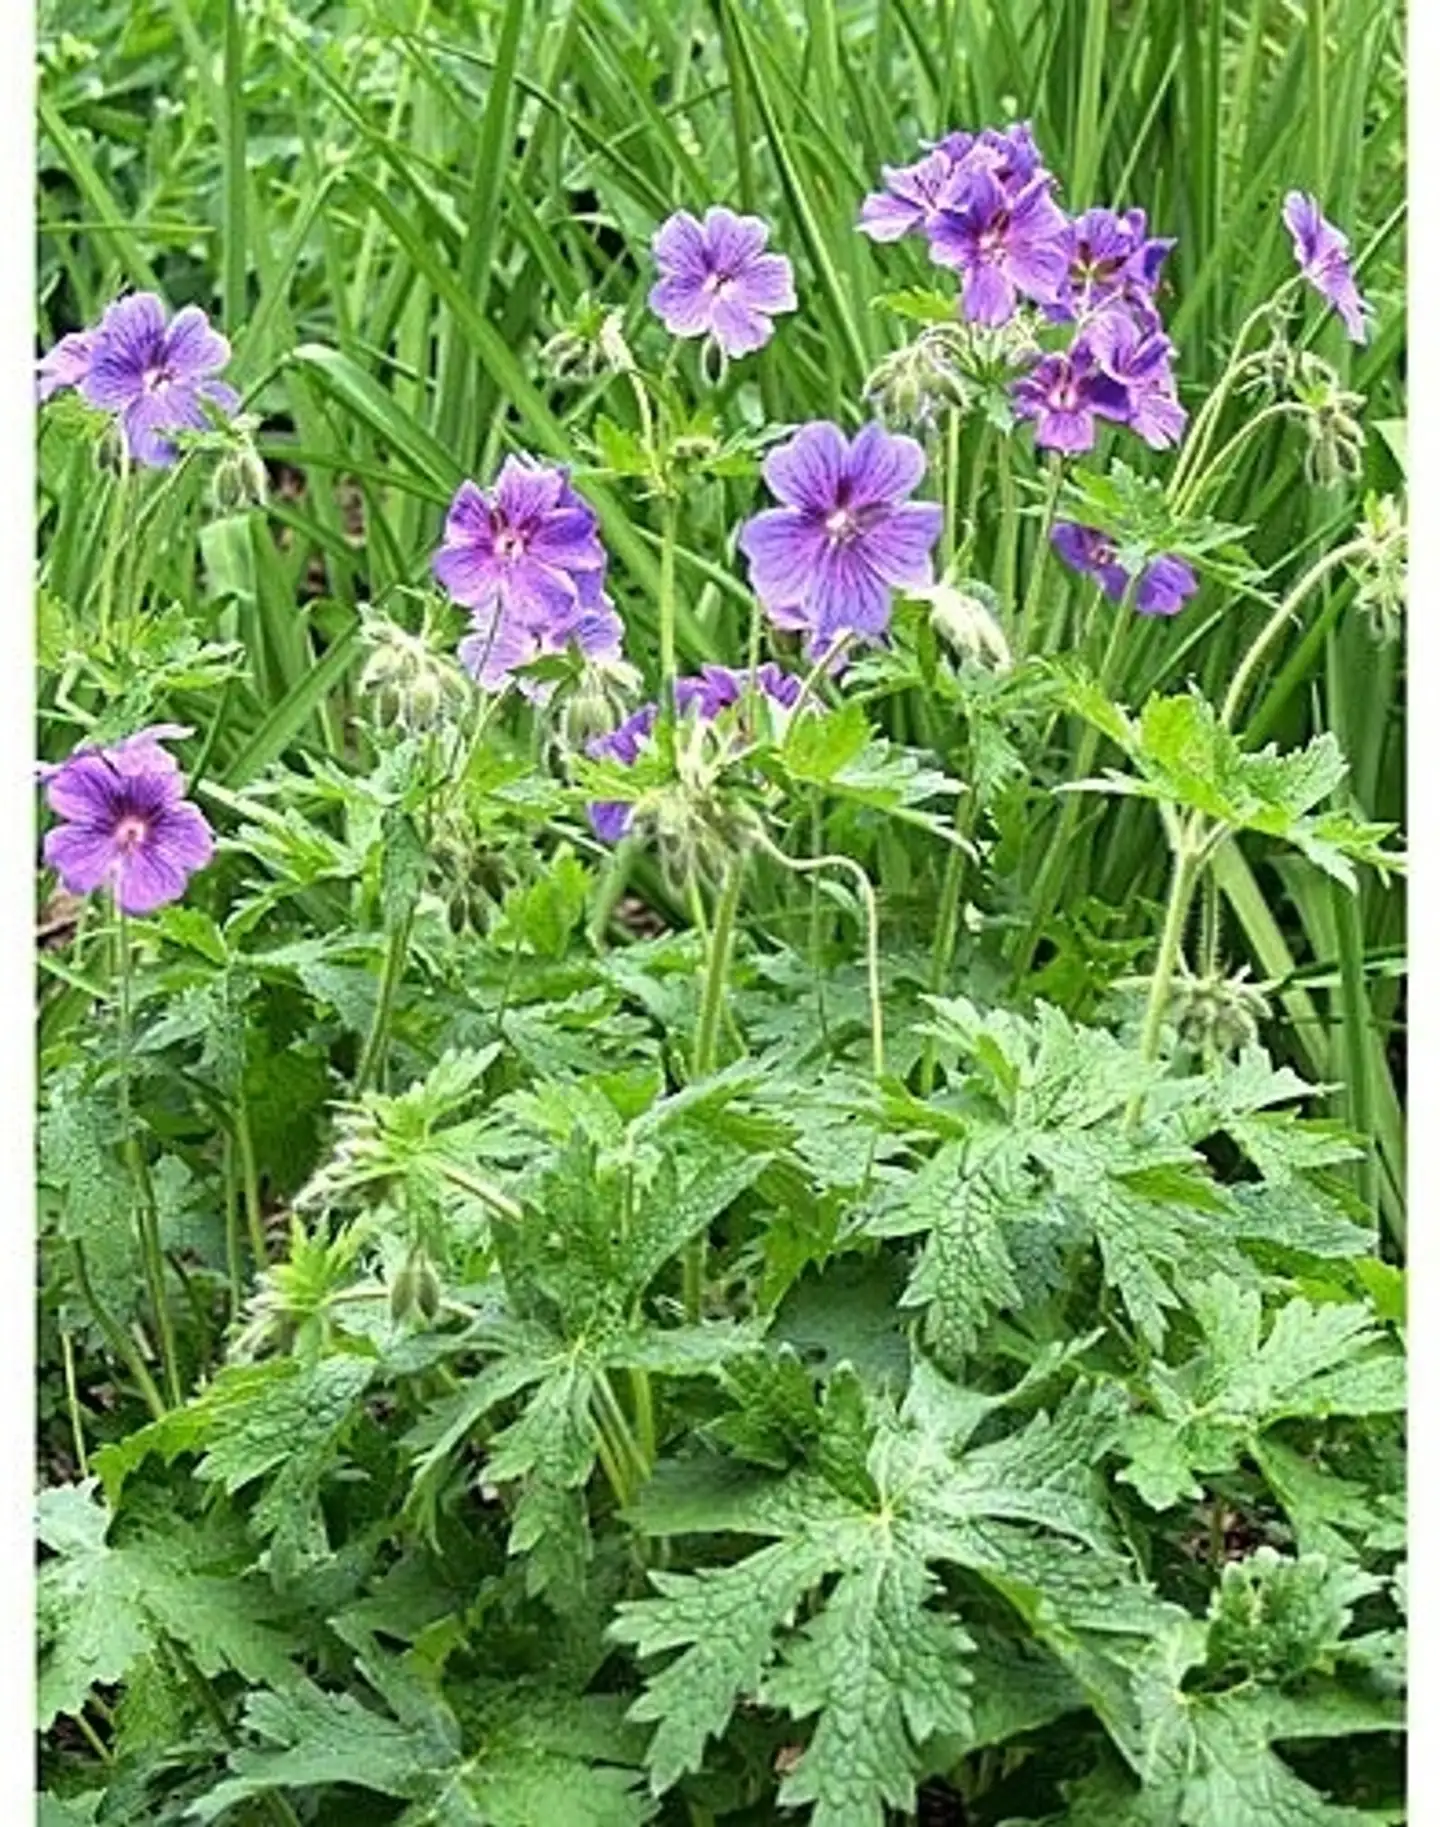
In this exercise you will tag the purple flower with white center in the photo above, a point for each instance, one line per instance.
(1323, 255)
(128, 825)
(1165, 584)
(705, 695)
(1110, 256)
(1064, 394)
(717, 280)
(845, 536)
(1006, 245)
(528, 548)
(909, 199)
(1139, 360)
(66, 365)
(156, 376)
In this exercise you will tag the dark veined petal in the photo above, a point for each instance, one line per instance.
(682, 303)
(882, 466)
(767, 284)
(806, 472)
(148, 877)
(732, 241)
(192, 349)
(679, 246)
(847, 597)
(783, 546)
(738, 329)
(82, 855)
(898, 547)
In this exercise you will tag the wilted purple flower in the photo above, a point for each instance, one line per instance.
(1064, 394)
(717, 280)
(1109, 256)
(498, 645)
(1139, 360)
(66, 365)
(129, 827)
(1323, 255)
(909, 199)
(1006, 244)
(713, 690)
(156, 376)
(1165, 583)
(845, 535)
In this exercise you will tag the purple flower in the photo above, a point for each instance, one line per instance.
(155, 376)
(1009, 154)
(1064, 394)
(525, 558)
(1165, 583)
(909, 199)
(845, 535)
(129, 826)
(66, 365)
(1323, 255)
(716, 280)
(1109, 257)
(713, 690)
(1007, 244)
(1139, 360)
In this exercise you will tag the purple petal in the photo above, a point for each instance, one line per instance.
(82, 855)
(567, 537)
(738, 329)
(682, 303)
(84, 788)
(192, 349)
(732, 241)
(183, 832)
(679, 246)
(884, 217)
(989, 297)
(66, 365)
(899, 546)
(1165, 585)
(783, 546)
(1068, 431)
(609, 819)
(847, 597)
(148, 877)
(767, 284)
(470, 575)
(496, 645)
(525, 491)
(806, 472)
(882, 467)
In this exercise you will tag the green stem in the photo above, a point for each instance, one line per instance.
(115, 1334)
(1054, 476)
(72, 1403)
(1235, 697)
(274, 1804)
(116, 532)
(250, 1178)
(148, 1217)
(669, 526)
(946, 920)
(1009, 536)
(1195, 491)
(952, 486)
(712, 997)
(1185, 870)
(397, 948)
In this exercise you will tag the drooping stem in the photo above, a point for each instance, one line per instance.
(1235, 697)
(1184, 874)
(151, 1253)
(805, 865)
(1195, 491)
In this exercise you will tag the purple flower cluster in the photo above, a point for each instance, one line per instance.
(155, 376)
(985, 204)
(717, 280)
(1164, 585)
(525, 558)
(128, 825)
(845, 536)
(1323, 256)
(705, 695)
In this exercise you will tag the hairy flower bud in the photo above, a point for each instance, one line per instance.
(914, 385)
(411, 685)
(591, 344)
(964, 616)
(1380, 570)
(1336, 437)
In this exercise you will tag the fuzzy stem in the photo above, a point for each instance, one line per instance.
(1273, 628)
(722, 937)
(72, 1404)
(1054, 477)
(669, 527)
(1195, 491)
(1009, 536)
(1185, 871)
(396, 950)
(147, 1216)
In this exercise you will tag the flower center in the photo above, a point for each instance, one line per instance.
(158, 376)
(509, 545)
(1066, 397)
(842, 526)
(719, 284)
(131, 832)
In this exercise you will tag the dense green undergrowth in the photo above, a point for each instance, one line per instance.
(880, 1294)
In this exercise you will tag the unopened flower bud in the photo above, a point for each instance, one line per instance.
(239, 481)
(1380, 570)
(408, 682)
(914, 385)
(1337, 438)
(964, 616)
